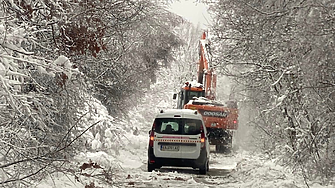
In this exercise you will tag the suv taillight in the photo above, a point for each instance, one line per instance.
(202, 137)
(152, 136)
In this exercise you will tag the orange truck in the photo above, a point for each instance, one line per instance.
(221, 120)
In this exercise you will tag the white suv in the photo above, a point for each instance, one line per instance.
(178, 138)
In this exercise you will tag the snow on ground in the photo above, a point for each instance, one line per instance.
(126, 167)
(237, 170)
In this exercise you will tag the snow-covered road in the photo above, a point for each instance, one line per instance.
(236, 170)
(233, 170)
(221, 166)
(240, 169)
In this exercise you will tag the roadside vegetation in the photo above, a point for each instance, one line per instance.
(280, 55)
(61, 60)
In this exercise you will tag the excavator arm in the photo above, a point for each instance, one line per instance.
(206, 74)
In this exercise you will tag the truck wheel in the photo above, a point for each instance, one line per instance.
(151, 167)
(204, 168)
(217, 148)
(229, 148)
(220, 148)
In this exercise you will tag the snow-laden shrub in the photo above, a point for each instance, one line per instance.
(38, 101)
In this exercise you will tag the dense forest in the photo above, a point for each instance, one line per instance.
(56, 57)
(280, 55)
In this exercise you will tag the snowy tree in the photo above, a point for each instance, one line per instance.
(281, 52)
(145, 45)
(171, 77)
(33, 132)
(53, 56)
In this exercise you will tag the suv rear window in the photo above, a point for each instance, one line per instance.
(178, 126)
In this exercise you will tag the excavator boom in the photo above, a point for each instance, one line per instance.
(206, 74)
(200, 95)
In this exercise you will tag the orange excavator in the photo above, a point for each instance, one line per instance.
(220, 120)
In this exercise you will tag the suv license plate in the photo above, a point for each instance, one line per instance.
(169, 148)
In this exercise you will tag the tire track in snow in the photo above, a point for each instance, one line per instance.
(221, 165)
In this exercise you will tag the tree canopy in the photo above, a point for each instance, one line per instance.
(280, 54)
(54, 55)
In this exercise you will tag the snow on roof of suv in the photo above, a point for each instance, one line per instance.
(178, 138)
(184, 113)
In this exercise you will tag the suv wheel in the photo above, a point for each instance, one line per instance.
(151, 167)
(207, 166)
(204, 168)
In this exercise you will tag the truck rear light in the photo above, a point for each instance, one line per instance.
(235, 121)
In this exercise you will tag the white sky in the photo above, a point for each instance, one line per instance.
(192, 11)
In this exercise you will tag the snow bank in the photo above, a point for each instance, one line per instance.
(254, 170)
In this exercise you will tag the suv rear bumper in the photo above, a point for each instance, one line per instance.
(194, 163)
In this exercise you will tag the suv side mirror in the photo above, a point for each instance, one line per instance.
(174, 95)
(149, 132)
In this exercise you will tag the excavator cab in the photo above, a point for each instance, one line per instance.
(187, 94)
